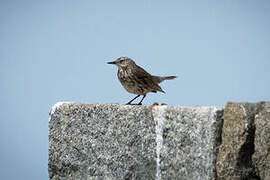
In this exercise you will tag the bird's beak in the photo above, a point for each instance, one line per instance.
(113, 62)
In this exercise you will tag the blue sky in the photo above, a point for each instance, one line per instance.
(54, 51)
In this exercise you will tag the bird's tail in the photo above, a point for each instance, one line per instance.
(159, 79)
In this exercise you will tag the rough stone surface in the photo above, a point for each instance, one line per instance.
(97, 141)
(111, 141)
(244, 152)
(261, 156)
(190, 142)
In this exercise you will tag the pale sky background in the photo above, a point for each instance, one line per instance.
(56, 50)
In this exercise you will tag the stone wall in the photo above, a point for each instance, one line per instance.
(112, 141)
(245, 149)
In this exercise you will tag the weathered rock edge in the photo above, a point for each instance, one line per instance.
(245, 149)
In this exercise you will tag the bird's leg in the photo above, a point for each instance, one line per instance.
(133, 99)
(140, 103)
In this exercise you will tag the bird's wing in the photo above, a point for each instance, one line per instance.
(146, 79)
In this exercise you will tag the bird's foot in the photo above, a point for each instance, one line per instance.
(134, 104)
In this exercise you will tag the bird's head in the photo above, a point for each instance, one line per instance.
(123, 62)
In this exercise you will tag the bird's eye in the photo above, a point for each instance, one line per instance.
(121, 61)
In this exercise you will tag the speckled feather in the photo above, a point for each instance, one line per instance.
(137, 81)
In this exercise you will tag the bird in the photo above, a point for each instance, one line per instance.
(136, 80)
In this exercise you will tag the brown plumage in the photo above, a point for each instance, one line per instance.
(136, 80)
